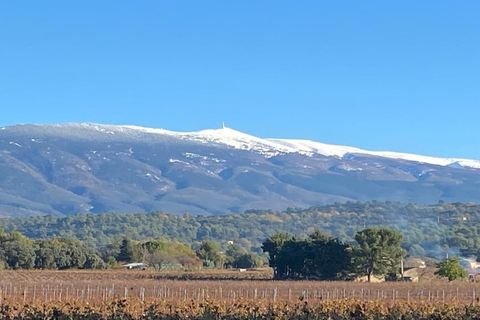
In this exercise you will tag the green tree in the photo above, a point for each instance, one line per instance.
(209, 253)
(247, 260)
(290, 260)
(273, 247)
(233, 251)
(93, 261)
(326, 258)
(378, 252)
(163, 254)
(129, 251)
(17, 251)
(451, 269)
(58, 253)
(317, 257)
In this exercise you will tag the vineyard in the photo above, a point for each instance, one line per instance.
(148, 295)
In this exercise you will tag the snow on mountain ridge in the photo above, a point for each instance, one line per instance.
(341, 151)
(309, 147)
(271, 147)
(226, 136)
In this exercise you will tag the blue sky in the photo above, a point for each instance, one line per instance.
(396, 75)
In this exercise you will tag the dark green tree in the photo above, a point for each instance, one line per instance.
(290, 260)
(129, 251)
(58, 253)
(93, 261)
(326, 258)
(378, 251)
(273, 247)
(317, 257)
(247, 260)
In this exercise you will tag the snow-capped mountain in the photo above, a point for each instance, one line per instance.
(272, 147)
(85, 167)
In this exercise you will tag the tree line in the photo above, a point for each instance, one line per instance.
(377, 251)
(162, 254)
(20, 252)
(433, 231)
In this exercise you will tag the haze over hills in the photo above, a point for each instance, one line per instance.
(71, 168)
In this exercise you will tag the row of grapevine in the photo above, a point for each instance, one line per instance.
(242, 310)
(236, 291)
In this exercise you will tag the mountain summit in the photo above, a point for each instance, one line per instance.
(271, 147)
(85, 167)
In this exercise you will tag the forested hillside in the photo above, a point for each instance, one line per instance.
(429, 230)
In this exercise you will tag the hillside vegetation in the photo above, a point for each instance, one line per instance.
(428, 230)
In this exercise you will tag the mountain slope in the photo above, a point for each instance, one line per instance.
(65, 169)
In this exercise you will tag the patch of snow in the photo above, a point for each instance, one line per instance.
(192, 155)
(211, 173)
(152, 177)
(102, 129)
(204, 158)
(234, 139)
(308, 147)
(15, 144)
(83, 167)
(349, 168)
(179, 161)
(424, 172)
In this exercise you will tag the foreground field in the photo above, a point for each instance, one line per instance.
(103, 287)
(123, 294)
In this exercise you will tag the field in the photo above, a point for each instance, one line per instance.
(134, 293)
